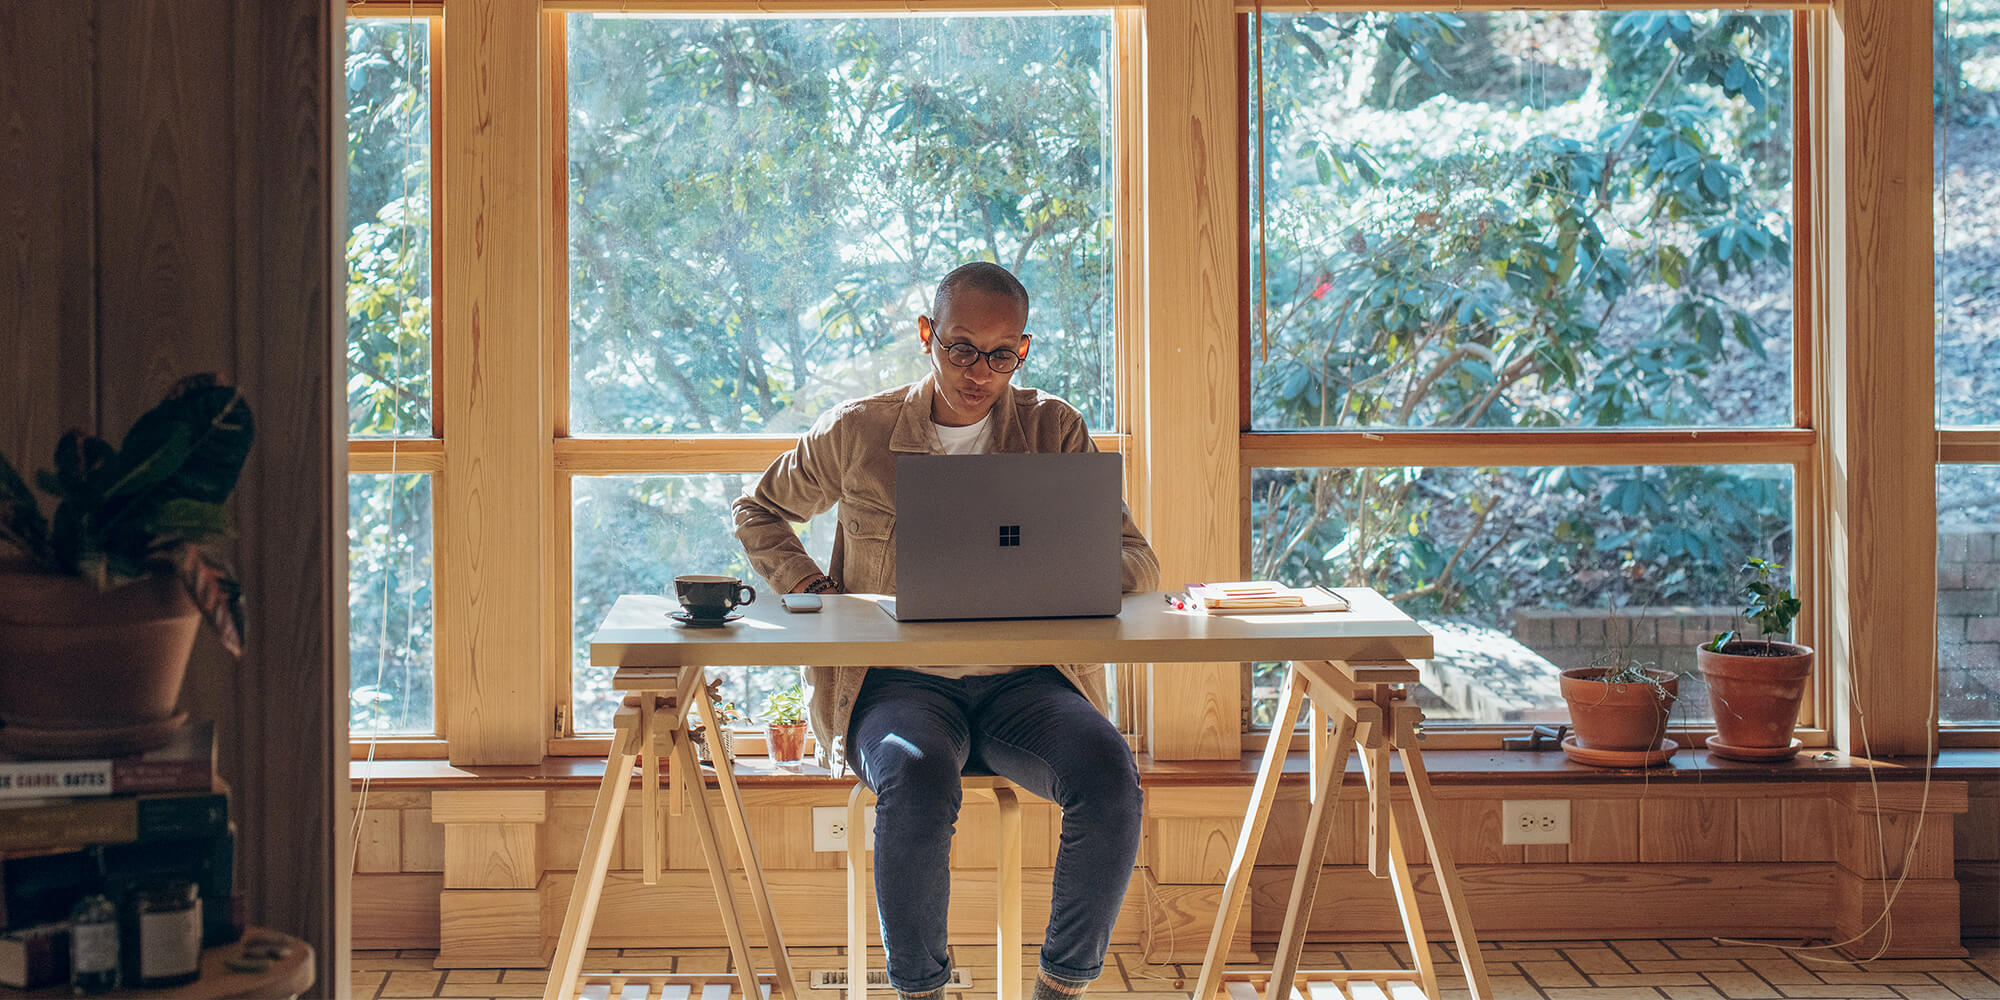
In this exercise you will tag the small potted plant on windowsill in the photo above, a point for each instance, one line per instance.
(1755, 686)
(1618, 713)
(99, 613)
(785, 725)
(726, 712)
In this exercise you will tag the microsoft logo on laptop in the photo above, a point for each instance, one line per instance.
(1010, 536)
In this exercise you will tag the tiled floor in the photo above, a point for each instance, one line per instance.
(1528, 970)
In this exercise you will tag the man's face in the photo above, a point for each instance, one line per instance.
(984, 322)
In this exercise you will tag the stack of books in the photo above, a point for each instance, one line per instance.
(69, 828)
(1250, 597)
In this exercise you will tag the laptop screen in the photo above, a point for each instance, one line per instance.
(1008, 535)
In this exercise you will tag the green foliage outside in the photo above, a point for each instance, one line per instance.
(1523, 220)
(390, 655)
(760, 208)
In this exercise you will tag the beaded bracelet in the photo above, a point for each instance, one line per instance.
(824, 584)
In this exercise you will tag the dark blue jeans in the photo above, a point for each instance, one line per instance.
(913, 734)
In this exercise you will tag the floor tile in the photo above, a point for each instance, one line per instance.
(1671, 969)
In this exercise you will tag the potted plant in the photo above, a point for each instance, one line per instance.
(1755, 685)
(726, 712)
(785, 725)
(1618, 712)
(100, 605)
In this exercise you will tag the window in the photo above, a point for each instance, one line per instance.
(758, 210)
(1502, 248)
(389, 384)
(1966, 93)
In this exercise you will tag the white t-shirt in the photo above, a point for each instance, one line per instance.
(968, 440)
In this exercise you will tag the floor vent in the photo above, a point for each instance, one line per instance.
(836, 979)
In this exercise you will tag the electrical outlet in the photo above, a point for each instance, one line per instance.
(830, 828)
(1534, 821)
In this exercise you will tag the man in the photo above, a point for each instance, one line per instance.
(909, 732)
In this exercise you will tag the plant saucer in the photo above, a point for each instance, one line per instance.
(1619, 758)
(1717, 748)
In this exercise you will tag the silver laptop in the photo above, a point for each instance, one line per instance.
(1008, 536)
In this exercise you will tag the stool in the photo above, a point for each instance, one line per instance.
(1004, 793)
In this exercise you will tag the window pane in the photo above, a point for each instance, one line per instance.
(633, 535)
(390, 640)
(1967, 92)
(760, 208)
(388, 228)
(1524, 573)
(1969, 594)
(1525, 219)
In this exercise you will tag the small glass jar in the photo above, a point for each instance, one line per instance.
(93, 945)
(167, 929)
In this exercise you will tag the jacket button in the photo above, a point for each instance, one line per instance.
(843, 703)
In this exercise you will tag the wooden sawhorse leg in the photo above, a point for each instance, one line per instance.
(648, 720)
(1364, 706)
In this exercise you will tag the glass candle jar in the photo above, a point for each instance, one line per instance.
(167, 931)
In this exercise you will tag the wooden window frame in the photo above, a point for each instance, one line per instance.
(1864, 397)
(749, 454)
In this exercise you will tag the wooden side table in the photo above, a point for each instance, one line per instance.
(286, 977)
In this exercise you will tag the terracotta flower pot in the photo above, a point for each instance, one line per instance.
(84, 673)
(787, 742)
(1755, 697)
(1623, 716)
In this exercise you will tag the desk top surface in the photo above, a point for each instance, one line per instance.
(853, 630)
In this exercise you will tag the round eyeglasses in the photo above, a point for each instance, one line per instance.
(999, 359)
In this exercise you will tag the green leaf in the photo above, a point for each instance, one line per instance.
(218, 429)
(183, 520)
(83, 466)
(214, 589)
(163, 461)
(21, 519)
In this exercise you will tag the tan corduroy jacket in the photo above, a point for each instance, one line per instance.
(849, 458)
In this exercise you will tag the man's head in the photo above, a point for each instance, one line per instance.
(975, 329)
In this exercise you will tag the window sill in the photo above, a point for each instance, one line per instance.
(1446, 767)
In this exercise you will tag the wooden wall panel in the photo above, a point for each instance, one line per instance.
(1875, 407)
(1686, 829)
(1603, 830)
(423, 842)
(396, 911)
(1193, 850)
(166, 194)
(1570, 902)
(1180, 918)
(813, 904)
(491, 856)
(1979, 898)
(489, 625)
(493, 928)
(1921, 920)
(1809, 827)
(1190, 419)
(48, 294)
(1760, 829)
(1976, 835)
(379, 843)
(288, 697)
